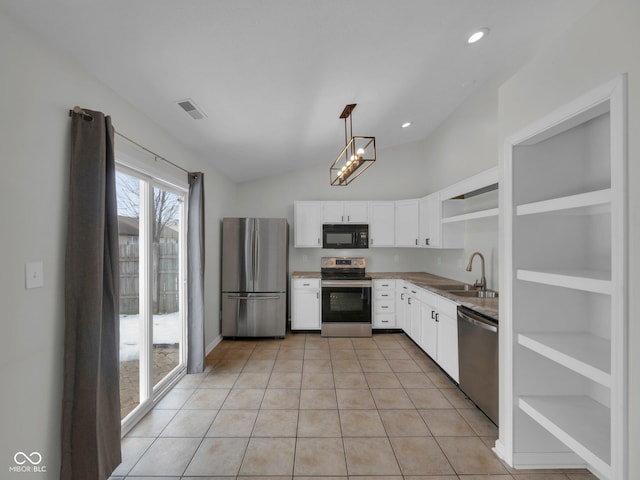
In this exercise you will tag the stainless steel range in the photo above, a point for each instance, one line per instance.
(346, 297)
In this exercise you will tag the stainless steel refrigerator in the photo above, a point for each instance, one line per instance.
(254, 277)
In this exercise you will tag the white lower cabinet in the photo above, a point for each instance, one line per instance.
(305, 304)
(447, 333)
(384, 303)
(402, 294)
(429, 334)
(431, 321)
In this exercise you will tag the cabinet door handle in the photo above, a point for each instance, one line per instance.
(416, 241)
(348, 218)
(318, 295)
(432, 313)
(409, 300)
(402, 296)
(384, 294)
(342, 218)
(318, 241)
(437, 317)
(306, 284)
(426, 241)
(371, 241)
(384, 306)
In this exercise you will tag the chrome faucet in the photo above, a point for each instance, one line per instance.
(482, 283)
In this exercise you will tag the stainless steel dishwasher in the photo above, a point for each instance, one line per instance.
(478, 360)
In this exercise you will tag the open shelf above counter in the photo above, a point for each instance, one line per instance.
(491, 212)
(473, 198)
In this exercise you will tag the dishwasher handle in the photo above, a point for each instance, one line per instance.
(478, 322)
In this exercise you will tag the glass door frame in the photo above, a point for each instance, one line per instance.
(150, 394)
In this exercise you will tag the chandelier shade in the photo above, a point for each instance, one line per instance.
(358, 154)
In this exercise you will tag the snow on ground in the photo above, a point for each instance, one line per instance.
(167, 329)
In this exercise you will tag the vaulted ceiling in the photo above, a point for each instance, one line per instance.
(273, 76)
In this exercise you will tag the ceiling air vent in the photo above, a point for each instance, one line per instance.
(188, 106)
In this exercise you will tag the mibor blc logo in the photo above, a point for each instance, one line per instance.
(27, 463)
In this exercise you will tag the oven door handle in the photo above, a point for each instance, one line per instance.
(346, 283)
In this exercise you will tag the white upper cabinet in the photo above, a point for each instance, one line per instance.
(381, 224)
(344, 212)
(430, 225)
(407, 223)
(437, 220)
(307, 224)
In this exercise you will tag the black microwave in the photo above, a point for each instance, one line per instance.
(345, 236)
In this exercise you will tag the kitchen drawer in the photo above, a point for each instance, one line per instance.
(384, 320)
(384, 294)
(306, 283)
(384, 306)
(382, 284)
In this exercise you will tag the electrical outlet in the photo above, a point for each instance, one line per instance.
(34, 275)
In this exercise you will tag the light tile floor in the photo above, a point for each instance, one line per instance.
(308, 406)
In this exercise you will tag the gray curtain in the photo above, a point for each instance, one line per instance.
(195, 274)
(91, 401)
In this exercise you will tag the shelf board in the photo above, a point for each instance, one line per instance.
(579, 201)
(491, 212)
(583, 353)
(579, 422)
(578, 279)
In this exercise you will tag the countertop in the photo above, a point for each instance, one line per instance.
(486, 306)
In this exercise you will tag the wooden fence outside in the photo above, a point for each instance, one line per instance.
(165, 278)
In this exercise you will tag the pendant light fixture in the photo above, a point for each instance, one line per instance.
(358, 154)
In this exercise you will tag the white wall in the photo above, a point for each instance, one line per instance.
(599, 47)
(37, 88)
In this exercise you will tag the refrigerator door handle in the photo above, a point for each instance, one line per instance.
(252, 297)
(254, 246)
(256, 260)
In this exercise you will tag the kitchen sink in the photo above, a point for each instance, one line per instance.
(455, 287)
(475, 293)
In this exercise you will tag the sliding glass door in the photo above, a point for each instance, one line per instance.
(151, 220)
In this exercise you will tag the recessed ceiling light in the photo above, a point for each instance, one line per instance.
(406, 124)
(477, 35)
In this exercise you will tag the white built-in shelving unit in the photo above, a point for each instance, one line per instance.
(563, 311)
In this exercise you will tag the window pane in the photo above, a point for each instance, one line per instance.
(167, 317)
(128, 197)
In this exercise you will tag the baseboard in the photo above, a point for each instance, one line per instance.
(502, 453)
(547, 460)
(212, 345)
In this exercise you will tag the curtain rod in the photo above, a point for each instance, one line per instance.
(87, 116)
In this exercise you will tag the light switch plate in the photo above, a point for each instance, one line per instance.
(34, 275)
